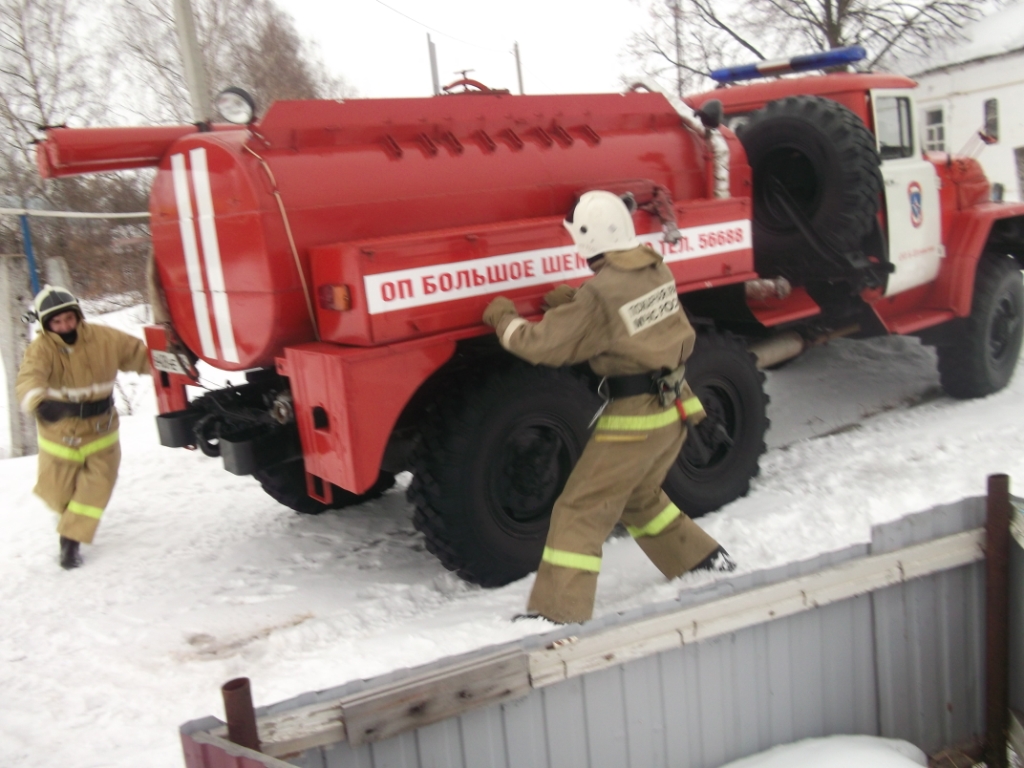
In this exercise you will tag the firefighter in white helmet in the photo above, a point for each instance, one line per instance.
(67, 381)
(628, 324)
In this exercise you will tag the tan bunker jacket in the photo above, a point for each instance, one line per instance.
(625, 320)
(78, 457)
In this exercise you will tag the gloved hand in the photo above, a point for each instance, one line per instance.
(556, 297)
(695, 412)
(499, 308)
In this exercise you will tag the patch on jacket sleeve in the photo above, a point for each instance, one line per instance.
(650, 309)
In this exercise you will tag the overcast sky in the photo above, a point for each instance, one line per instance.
(566, 46)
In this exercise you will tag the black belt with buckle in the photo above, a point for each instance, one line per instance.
(634, 384)
(55, 410)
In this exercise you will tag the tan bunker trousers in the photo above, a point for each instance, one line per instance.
(76, 481)
(618, 477)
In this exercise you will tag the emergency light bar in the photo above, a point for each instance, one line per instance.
(835, 57)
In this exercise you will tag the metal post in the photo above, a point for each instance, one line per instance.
(57, 273)
(433, 65)
(519, 68)
(14, 299)
(191, 57)
(30, 255)
(240, 715)
(997, 646)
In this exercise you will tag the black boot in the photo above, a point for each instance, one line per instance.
(69, 555)
(718, 560)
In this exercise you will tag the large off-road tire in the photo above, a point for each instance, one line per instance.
(493, 458)
(721, 454)
(979, 352)
(286, 483)
(826, 159)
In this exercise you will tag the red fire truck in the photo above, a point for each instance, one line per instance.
(341, 254)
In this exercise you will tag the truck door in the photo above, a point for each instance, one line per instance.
(912, 212)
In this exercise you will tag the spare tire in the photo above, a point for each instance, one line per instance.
(826, 159)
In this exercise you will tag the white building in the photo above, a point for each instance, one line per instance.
(978, 85)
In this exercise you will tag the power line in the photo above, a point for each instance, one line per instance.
(432, 29)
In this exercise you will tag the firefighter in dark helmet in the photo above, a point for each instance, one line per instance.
(67, 381)
(628, 323)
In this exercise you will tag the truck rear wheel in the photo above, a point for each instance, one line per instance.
(494, 456)
(980, 351)
(286, 483)
(825, 158)
(721, 454)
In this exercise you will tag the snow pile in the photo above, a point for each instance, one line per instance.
(197, 576)
(838, 752)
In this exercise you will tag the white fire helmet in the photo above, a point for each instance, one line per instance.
(51, 301)
(601, 222)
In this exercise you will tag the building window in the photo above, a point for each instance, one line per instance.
(934, 131)
(992, 118)
(892, 115)
(1018, 154)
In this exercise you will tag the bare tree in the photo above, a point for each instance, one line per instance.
(248, 43)
(712, 35)
(44, 78)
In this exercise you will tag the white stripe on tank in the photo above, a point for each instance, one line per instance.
(211, 254)
(188, 243)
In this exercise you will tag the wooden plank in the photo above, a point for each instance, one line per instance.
(378, 713)
(296, 730)
(577, 656)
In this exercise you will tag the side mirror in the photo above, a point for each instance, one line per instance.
(711, 114)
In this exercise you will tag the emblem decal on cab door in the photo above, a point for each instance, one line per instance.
(916, 209)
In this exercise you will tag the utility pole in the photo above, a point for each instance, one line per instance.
(433, 65)
(15, 298)
(195, 72)
(679, 48)
(519, 68)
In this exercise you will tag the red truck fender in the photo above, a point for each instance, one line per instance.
(347, 401)
(968, 237)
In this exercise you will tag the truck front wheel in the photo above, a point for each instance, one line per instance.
(721, 454)
(979, 353)
(493, 458)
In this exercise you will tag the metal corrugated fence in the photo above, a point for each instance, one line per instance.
(881, 639)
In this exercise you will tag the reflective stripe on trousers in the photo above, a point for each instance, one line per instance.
(77, 454)
(658, 524)
(84, 509)
(564, 559)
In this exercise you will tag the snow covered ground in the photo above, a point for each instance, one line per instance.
(197, 576)
(838, 752)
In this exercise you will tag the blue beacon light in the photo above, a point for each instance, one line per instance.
(835, 57)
